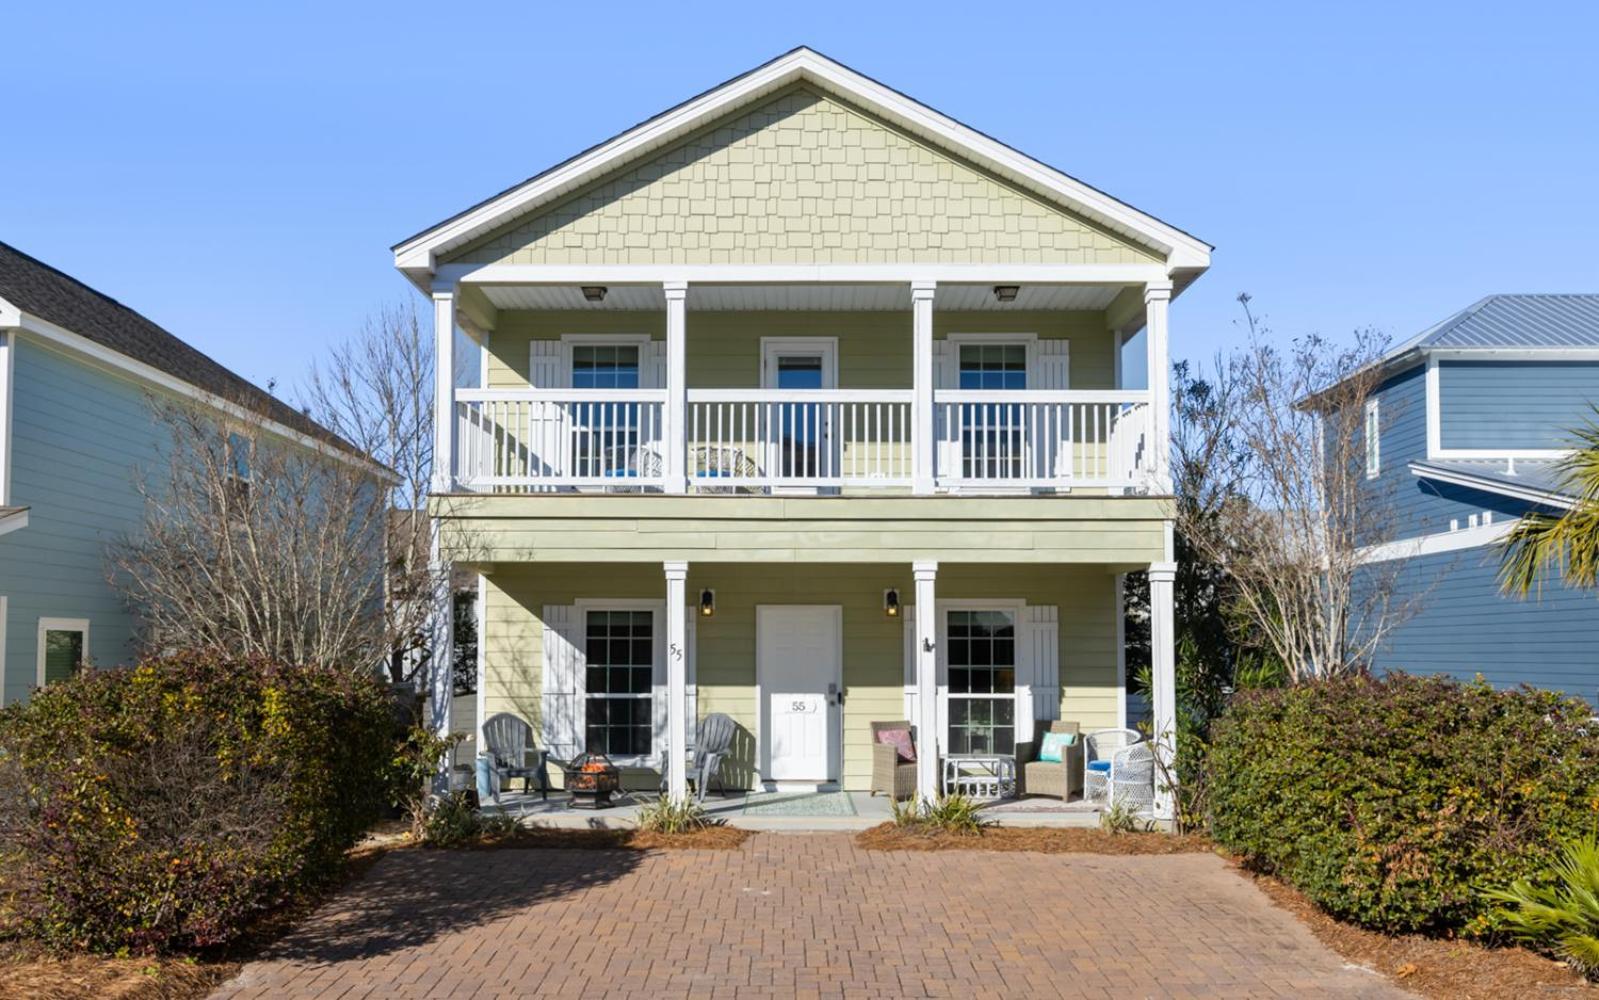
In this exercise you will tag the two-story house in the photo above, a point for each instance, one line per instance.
(803, 402)
(79, 372)
(1462, 438)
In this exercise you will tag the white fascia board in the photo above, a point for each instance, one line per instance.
(14, 520)
(1444, 541)
(1182, 252)
(778, 274)
(1514, 353)
(1455, 478)
(149, 375)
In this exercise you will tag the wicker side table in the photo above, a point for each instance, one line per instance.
(980, 776)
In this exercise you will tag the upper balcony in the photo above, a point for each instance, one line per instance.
(805, 388)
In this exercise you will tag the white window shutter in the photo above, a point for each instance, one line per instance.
(565, 677)
(652, 364)
(544, 366)
(1054, 366)
(946, 366)
(1041, 672)
(946, 445)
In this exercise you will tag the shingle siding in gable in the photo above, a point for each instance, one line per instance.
(1465, 627)
(803, 179)
(79, 434)
(1515, 404)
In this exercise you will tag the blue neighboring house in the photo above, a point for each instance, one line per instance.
(1462, 438)
(78, 371)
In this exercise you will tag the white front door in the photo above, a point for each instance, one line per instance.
(799, 670)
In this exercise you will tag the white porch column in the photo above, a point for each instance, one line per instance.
(481, 610)
(674, 424)
(1157, 304)
(1163, 674)
(443, 388)
(927, 783)
(441, 649)
(923, 447)
(676, 681)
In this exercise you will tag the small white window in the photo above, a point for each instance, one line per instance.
(63, 648)
(1373, 440)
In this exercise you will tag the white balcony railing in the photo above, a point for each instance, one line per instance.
(819, 437)
(546, 438)
(755, 440)
(1041, 438)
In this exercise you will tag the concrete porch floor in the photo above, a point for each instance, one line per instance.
(781, 811)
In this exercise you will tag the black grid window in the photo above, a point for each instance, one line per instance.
(991, 433)
(982, 682)
(620, 650)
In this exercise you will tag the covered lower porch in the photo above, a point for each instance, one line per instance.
(811, 662)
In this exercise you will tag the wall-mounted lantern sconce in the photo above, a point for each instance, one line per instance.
(1006, 293)
(594, 293)
(707, 603)
(891, 603)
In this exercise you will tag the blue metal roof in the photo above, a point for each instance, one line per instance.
(1515, 322)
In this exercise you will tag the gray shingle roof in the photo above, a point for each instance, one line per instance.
(40, 290)
(1516, 321)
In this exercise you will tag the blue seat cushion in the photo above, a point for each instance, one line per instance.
(1099, 765)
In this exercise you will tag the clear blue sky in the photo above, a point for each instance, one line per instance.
(238, 171)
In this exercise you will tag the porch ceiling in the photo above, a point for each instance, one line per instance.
(806, 297)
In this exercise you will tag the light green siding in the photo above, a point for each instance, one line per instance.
(873, 643)
(803, 179)
(1118, 531)
(874, 348)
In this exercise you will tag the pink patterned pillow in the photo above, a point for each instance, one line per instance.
(900, 740)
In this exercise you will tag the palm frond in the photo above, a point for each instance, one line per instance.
(1566, 545)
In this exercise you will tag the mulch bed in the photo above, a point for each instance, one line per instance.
(1438, 968)
(1043, 840)
(28, 972)
(710, 838)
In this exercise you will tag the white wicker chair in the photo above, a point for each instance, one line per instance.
(1132, 778)
(1101, 746)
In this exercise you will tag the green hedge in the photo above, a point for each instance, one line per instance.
(167, 805)
(1391, 801)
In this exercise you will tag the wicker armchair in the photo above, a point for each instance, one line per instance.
(1062, 779)
(890, 775)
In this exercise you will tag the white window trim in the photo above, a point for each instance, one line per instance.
(59, 625)
(771, 347)
(1027, 340)
(571, 340)
(1017, 609)
(657, 667)
(1371, 437)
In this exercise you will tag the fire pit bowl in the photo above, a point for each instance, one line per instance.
(591, 780)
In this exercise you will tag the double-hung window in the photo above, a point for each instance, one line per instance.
(607, 433)
(991, 433)
(981, 646)
(619, 650)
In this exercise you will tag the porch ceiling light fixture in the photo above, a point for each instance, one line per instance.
(594, 293)
(891, 603)
(1006, 293)
(707, 603)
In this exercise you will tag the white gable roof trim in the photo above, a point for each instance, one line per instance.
(1182, 251)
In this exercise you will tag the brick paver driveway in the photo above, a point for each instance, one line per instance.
(792, 915)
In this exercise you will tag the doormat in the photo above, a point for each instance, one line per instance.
(798, 804)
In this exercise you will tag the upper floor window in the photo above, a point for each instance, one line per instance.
(1373, 436)
(993, 366)
(605, 366)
